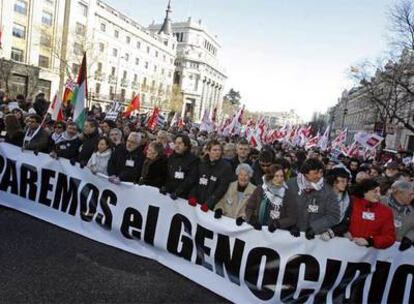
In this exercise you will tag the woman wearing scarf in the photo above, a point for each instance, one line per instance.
(98, 163)
(233, 204)
(266, 205)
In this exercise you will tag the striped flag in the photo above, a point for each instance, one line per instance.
(55, 109)
(340, 139)
(153, 119)
(81, 92)
(161, 121)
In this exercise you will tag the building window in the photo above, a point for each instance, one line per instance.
(103, 27)
(83, 8)
(20, 6)
(45, 40)
(77, 48)
(116, 34)
(146, 64)
(111, 93)
(80, 29)
(101, 47)
(99, 67)
(49, 2)
(43, 61)
(98, 88)
(138, 45)
(163, 72)
(148, 49)
(128, 39)
(164, 58)
(135, 77)
(137, 61)
(113, 71)
(47, 18)
(19, 31)
(124, 75)
(75, 68)
(156, 54)
(126, 57)
(17, 54)
(114, 52)
(155, 68)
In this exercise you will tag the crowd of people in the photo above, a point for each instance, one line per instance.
(369, 202)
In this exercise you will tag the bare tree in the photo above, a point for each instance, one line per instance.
(401, 25)
(390, 89)
(6, 68)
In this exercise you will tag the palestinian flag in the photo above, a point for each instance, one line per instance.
(80, 94)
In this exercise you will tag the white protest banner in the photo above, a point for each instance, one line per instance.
(239, 263)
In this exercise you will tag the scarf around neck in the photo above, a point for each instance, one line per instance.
(305, 185)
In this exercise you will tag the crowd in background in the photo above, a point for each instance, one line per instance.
(370, 202)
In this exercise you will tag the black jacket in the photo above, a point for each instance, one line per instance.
(126, 165)
(212, 182)
(154, 173)
(182, 173)
(68, 149)
(16, 140)
(258, 173)
(39, 142)
(89, 143)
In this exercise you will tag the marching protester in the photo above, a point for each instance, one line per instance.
(233, 203)
(261, 166)
(367, 221)
(56, 136)
(182, 169)
(98, 163)
(154, 168)
(399, 200)
(214, 176)
(242, 154)
(163, 139)
(89, 139)
(126, 162)
(266, 206)
(317, 207)
(115, 135)
(68, 146)
(36, 137)
(14, 133)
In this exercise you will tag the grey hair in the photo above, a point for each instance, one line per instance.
(116, 130)
(246, 168)
(400, 185)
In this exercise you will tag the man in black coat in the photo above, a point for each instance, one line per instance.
(242, 156)
(127, 160)
(182, 169)
(89, 138)
(36, 138)
(214, 177)
(69, 145)
(261, 166)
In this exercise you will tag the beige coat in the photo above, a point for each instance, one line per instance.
(229, 204)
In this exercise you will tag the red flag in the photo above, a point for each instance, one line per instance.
(134, 105)
(55, 109)
(152, 121)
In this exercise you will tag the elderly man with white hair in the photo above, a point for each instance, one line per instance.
(126, 162)
(233, 204)
(399, 200)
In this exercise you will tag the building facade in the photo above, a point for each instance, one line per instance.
(280, 119)
(198, 72)
(124, 58)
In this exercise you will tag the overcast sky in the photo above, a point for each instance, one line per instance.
(282, 54)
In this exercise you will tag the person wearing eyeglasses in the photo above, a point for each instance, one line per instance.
(261, 166)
